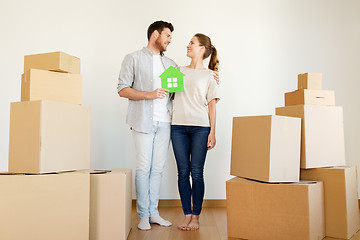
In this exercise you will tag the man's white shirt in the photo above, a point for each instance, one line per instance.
(160, 110)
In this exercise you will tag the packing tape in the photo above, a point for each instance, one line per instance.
(25, 75)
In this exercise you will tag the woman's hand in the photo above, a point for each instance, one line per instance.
(211, 141)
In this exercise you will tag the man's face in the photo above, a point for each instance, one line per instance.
(163, 40)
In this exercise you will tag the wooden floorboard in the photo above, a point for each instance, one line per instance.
(212, 226)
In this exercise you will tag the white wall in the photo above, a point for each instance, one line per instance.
(262, 44)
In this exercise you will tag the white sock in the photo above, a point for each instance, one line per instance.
(159, 220)
(144, 224)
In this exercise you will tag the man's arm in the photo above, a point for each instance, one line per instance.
(125, 83)
(133, 94)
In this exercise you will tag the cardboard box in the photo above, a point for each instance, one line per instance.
(266, 211)
(341, 199)
(312, 97)
(322, 134)
(54, 61)
(47, 85)
(46, 206)
(310, 81)
(48, 136)
(110, 204)
(266, 148)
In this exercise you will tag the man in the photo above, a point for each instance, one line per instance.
(149, 116)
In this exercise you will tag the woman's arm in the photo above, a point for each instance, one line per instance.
(212, 117)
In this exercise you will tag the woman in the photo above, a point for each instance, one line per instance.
(193, 126)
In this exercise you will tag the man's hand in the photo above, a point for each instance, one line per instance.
(216, 76)
(158, 93)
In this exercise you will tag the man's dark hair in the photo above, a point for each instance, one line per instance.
(159, 26)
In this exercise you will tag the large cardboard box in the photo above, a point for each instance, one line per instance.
(310, 81)
(312, 97)
(110, 204)
(54, 86)
(48, 136)
(341, 199)
(263, 211)
(322, 134)
(266, 148)
(54, 61)
(46, 206)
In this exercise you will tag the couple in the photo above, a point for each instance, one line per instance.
(155, 116)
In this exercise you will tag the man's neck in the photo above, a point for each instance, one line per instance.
(153, 49)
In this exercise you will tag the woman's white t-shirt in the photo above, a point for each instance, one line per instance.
(191, 106)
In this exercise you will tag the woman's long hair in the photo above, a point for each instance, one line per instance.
(209, 50)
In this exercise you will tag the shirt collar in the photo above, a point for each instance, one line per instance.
(147, 51)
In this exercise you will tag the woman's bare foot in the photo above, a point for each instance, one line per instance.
(194, 223)
(185, 223)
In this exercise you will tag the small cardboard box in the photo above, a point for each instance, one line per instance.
(266, 148)
(257, 210)
(311, 97)
(341, 199)
(310, 81)
(54, 61)
(48, 136)
(322, 134)
(46, 206)
(110, 204)
(47, 85)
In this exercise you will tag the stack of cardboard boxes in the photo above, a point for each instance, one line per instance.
(45, 193)
(323, 153)
(110, 204)
(267, 200)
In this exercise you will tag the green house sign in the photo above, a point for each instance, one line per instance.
(172, 79)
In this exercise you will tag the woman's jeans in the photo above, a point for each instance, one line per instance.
(190, 148)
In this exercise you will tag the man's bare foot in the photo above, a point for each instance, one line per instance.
(194, 223)
(185, 223)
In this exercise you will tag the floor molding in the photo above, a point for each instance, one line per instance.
(177, 203)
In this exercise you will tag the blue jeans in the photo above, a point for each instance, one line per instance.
(190, 148)
(151, 154)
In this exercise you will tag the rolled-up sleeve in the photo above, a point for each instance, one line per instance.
(212, 90)
(126, 76)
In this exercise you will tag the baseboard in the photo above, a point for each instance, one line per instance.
(177, 203)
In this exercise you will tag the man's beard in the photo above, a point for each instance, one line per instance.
(159, 45)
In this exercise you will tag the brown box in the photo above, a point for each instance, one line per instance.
(257, 210)
(322, 134)
(54, 61)
(46, 206)
(311, 97)
(341, 199)
(110, 204)
(54, 86)
(266, 148)
(310, 81)
(48, 136)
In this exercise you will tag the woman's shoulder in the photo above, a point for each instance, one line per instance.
(205, 70)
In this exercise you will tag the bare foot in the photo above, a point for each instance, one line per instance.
(194, 223)
(185, 223)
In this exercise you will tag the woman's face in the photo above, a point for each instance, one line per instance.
(194, 49)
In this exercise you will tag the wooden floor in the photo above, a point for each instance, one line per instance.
(212, 226)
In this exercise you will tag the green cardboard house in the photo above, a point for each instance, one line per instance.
(172, 79)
